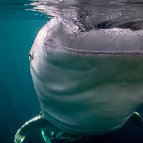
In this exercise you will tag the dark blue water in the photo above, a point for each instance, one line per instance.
(18, 100)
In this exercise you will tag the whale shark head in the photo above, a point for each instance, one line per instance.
(86, 66)
(90, 83)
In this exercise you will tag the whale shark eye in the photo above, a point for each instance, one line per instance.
(31, 56)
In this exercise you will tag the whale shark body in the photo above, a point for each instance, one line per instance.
(88, 80)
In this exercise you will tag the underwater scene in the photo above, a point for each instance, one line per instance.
(71, 71)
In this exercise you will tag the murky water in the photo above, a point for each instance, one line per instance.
(19, 23)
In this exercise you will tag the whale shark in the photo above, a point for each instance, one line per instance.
(88, 79)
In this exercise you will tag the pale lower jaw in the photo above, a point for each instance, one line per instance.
(87, 93)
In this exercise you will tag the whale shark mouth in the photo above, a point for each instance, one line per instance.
(114, 28)
(133, 25)
(116, 38)
(87, 23)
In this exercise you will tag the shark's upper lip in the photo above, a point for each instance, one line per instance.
(92, 52)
